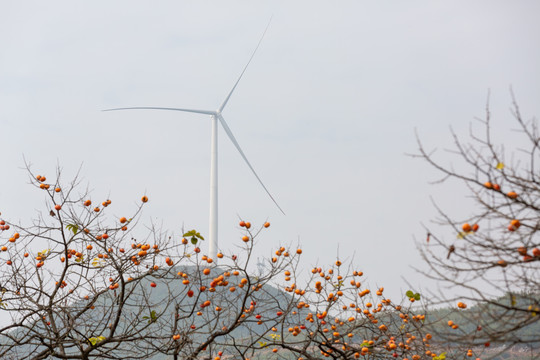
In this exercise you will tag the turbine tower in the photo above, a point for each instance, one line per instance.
(216, 115)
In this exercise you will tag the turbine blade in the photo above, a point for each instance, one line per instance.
(243, 71)
(206, 112)
(233, 139)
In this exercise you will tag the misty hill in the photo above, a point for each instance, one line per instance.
(149, 312)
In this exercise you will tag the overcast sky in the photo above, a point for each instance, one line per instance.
(325, 112)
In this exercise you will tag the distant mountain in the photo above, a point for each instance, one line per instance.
(508, 325)
(150, 312)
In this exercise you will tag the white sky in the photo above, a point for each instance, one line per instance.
(325, 112)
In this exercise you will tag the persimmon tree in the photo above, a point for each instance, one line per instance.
(487, 260)
(81, 282)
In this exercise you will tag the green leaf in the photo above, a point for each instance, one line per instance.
(73, 227)
(152, 318)
(194, 240)
(193, 233)
(263, 344)
(411, 294)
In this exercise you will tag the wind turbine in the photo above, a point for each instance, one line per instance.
(215, 115)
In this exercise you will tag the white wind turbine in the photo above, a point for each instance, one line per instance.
(215, 116)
